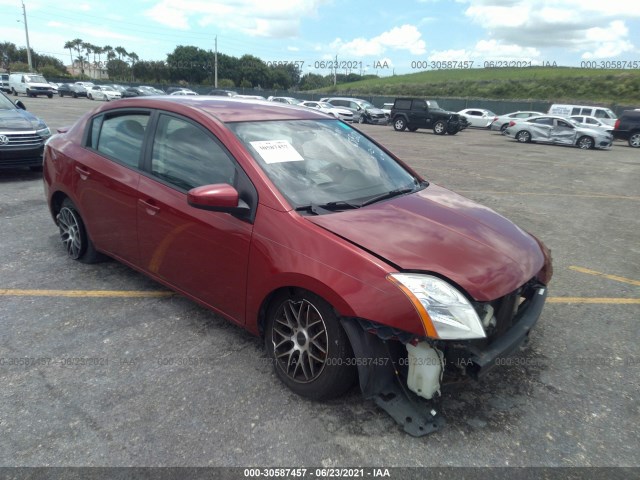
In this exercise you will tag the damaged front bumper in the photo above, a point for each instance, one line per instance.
(386, 382)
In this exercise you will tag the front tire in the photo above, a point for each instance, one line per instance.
(74, 235)
(362, 119)
(585, 143)
(523, 136)
(399, 124)
(440, 127)
(634, 140)
(310, 351)
(503, 128)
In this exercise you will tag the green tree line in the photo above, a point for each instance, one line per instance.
(187, 65)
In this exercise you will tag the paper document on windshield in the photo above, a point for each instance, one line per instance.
(277, 151)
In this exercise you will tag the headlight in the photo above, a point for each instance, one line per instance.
(44, 132)
(445, 312)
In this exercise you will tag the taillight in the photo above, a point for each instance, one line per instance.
(617, 125)
(512, 123)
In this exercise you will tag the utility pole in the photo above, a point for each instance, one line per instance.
(215, 66)
(26, 31)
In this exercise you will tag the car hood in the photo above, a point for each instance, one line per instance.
(436, 230)
(17, 120)
(375, 111)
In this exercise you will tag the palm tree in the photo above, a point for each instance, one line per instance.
(121, 52)
(133, 57)
(77, 44)
(69, 45)
(99, 51)
(88, 48)
(108, 49)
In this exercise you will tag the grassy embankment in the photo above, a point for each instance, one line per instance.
(558, 84)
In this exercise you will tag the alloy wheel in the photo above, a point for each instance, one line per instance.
(300, 340)
(70, 232)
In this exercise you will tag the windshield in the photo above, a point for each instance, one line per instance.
(5, 103)
(366, 105)
(35, 79)
(320, 162)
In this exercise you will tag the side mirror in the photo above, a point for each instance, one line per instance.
(220, 197)
(19, 104)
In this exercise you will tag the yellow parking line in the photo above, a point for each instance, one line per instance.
(85, 293)
(607, 276)
(595, 300)
(7, 292)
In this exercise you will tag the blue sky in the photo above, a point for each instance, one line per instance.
(395, 36)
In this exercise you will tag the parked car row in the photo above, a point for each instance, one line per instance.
(582, 126)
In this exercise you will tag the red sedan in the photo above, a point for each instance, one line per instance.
(301, 229)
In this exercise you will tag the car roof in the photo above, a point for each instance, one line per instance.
(225, 109)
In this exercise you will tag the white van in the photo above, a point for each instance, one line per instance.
(31, 84)
(601, 113)
(4, 82)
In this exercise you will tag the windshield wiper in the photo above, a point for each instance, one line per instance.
(329, 207)
(393, 193)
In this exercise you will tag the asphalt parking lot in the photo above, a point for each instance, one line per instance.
(116, 371)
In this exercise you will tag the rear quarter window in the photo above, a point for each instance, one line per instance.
(402, 104)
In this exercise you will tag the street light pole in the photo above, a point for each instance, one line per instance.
(215, 66)
(26, 31)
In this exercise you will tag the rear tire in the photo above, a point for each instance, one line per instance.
(634, 140)
(523, 136)
(399, 124)
(74, 235)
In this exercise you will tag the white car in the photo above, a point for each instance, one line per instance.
(251, 97)
(87, 85)
(289, 100)
(184, 91)
(501, 122)
(591, 122)
(341, 113)
(103, 92)
(557, 130)
(478, 117)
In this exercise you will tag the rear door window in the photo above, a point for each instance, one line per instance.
(120, 137)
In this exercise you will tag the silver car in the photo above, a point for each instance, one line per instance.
(591, 122)
(501, 122)
(341, 113)
(557, 130)
(478, 117)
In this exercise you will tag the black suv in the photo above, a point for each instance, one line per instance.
(628, 128)
(415, 113)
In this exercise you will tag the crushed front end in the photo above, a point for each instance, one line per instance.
(403, 373)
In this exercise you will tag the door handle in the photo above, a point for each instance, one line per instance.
(150, 208)
(84, 174)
